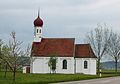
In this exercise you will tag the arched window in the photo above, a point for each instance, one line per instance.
(64, 64)
(85, 64)
(40, 30)
(37, 30)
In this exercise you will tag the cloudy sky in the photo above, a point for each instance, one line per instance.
(62, 18)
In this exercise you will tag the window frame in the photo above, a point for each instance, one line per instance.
(85, 64)
(64, 64)
(40, 30)
(37, 30)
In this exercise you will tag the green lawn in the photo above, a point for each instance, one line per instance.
(110, 71)
(45, 78)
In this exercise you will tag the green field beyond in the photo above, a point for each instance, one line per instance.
(45, 78)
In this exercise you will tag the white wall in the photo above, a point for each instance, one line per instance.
(40, 65)
(70, 65)
(91, 66)
(37, 35)
(24, 69)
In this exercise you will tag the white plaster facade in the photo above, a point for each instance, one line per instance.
(40, 65)
(24, 69)
(37, 34)
(91, 69)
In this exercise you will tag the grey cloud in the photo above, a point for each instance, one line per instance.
(62, 18)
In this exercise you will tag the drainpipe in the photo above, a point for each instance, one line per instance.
(74, 59)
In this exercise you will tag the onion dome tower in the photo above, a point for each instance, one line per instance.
(38, 24)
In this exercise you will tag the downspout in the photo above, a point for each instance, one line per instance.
(90, 58)
(31, 63)
(31, 60)
(74, 59)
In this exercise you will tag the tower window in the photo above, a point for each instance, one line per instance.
(64, 64)
(40, 30)
(85, 64)
(37, 30)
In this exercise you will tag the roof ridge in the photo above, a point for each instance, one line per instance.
(83, 44)
(58, 38)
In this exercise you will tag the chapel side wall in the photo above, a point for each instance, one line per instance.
(91, 66)
(70, 65)
(40, 65)
(79, 65)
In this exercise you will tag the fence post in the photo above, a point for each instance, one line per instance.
(100, 73)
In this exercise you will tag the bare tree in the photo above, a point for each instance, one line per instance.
(25, 56)
(11, 54)
(1, 43)
(3, 49)
(99, 40)
(114, 48)
(5, 53)
(14, 53)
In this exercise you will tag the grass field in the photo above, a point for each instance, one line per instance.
(110, 71)
(45, 78)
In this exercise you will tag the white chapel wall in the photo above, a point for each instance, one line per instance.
(40, 65)
(91, 69)
(70, 65)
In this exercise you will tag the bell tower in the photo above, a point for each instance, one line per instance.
(38, 24)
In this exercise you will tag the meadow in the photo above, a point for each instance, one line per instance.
(46, 78)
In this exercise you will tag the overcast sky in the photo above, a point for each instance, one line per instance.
(62, 18)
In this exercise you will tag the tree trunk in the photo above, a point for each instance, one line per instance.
(0, 66)
(98, 66)
(5, 70)
(115, 65)
(14, 74)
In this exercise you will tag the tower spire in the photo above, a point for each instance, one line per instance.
(38, 12)
(38, 23)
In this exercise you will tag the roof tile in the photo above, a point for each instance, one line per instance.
(47, 46)
(84, 51)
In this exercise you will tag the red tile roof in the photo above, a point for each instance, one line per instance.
(63, 47)
(84, 51)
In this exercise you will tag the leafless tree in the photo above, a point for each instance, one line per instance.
(114, 48)
(99, 40)
(4, 50)
(26, 56)
(2, 62)
(12, 53)
(1, 43)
